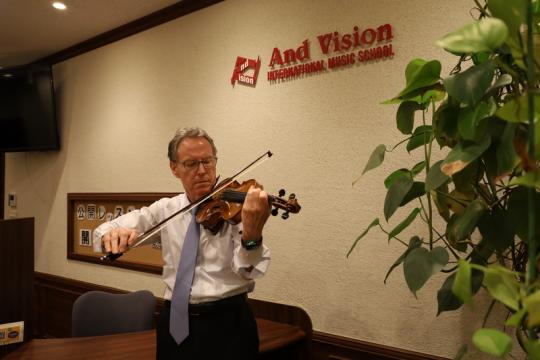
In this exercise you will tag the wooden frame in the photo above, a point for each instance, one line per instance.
(80, 228)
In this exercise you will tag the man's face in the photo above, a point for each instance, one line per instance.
(195, 167)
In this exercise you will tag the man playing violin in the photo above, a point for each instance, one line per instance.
(220, 322)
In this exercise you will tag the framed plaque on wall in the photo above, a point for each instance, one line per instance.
(86, 211)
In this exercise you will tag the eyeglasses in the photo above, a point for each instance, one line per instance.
(192, 165)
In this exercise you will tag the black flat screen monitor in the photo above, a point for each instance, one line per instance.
(27, 112)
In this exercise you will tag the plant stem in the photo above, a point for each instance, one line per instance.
(486, 316)
(427, 155)
(531, 274)
(387, 233)
(399, 143)
(481, 8)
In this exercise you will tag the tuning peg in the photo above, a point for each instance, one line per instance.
(285, 215)
(281, 192)
(292, 196)
(274, 212)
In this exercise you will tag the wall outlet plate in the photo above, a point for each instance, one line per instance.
(12, 200)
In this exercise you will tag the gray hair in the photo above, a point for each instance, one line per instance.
(187, 132)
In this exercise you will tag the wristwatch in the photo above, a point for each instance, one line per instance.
(251, 244)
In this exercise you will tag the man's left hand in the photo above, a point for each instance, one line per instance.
(255, 212)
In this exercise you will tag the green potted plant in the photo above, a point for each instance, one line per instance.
(486, 186)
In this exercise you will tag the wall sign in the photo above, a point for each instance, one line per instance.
(339, 49)
(243, 65)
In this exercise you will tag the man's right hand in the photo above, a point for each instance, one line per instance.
(119, 240)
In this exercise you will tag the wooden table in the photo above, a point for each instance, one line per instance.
(139, 345)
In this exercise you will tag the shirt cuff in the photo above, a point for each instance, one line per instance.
(251, 264)
(98, 233)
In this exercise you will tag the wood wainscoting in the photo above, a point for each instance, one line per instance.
(54, 297)
(333, 347)
(16, 276)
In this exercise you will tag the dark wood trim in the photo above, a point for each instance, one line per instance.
(329, 346)
(2, 183)
(159, 17)
(55, 295)
(16, 276)
(73, 197)
(53, 301)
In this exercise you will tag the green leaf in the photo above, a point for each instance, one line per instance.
(516, 110)
(530, 180)
(417, 190)
(400, 187)
(376, 158)
(462, 154)
(507, 158)
(470, 85)
(533, 349)
(519, 213)
(419, 74)
(445, 122)
(502, 286)
(512, 13)
(501, 81)
(414, 242)
(489, 159)
(537, 136)
(532, 303)
(446, 299)
(462, 283)
(421, 136)
(422, 96)
(405, 116)
(435, 177)
(413, 68)
(516, 319)
(417, 168)
(394, 175)
(496, 229)
(404, 224)
(420, 264)
(432, 94)
(492, 342)
(465, 222)
(487, 34)
(481, 254)
(466, 181)
(470, 117)
(404, 172)
(373, 223)
(440, 198)
(480, 57)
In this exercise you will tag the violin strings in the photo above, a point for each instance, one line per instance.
(142, 239)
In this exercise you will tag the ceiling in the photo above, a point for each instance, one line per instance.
(33, 29)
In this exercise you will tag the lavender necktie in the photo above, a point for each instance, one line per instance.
(179, 320)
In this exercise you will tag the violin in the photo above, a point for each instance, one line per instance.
(223, 204)
(226, 205)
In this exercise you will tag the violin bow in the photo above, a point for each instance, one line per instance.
(145, 236)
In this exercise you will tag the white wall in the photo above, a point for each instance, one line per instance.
(120, 104)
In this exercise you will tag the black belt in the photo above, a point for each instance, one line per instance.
(214, 306)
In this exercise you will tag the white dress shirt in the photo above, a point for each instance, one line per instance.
(222, 264)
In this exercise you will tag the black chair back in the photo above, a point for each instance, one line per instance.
(100, 313)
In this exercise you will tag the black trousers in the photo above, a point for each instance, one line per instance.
(224, 329)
